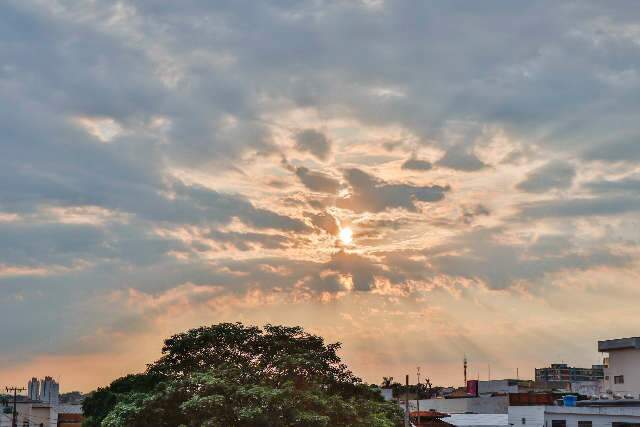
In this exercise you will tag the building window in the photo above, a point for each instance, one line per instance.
(618, 424)
(606, 377)
(618, 379)
(584, 424)
(558, 423)
(524, 421)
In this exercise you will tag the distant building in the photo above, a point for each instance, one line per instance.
(622, 371)
(49, 391)
(33, 389)
(563, 372)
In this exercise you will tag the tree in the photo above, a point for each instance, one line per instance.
(386, 382)
(235, 375)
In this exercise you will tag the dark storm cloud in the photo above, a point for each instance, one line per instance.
(314, 142)
(554, 175)
(375, 195)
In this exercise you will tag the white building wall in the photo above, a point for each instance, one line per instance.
(33, 413)
(533, 416)
(624, 362)
(587, 388)
(542, 416)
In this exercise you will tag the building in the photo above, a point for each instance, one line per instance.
(622, 366)
(33, 389)
(478, 420)
(503, 386)
(476, 405)
(30, 413)
(70, 416)
(563, 372)
(49, 391)
(608, 413)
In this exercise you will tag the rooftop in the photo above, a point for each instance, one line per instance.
(619, 344)
(462, 420)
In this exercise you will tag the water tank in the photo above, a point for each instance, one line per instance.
(569, 400)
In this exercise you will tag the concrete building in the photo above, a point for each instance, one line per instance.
(33, 389)
(622, 366)
(611, 414)
(503, 386)
(564, 372)
(70, 416)
(587, 388)
(49, 391)
(32, 414)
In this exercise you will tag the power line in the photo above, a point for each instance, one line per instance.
(15, 391)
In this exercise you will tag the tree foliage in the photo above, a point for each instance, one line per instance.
(235, 375)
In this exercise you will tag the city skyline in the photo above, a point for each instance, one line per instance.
(418, 180)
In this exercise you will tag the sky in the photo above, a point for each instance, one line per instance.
(166, 165)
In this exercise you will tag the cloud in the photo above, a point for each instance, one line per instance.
(629, 185)
(247, 241)
(461, 158)
(324, 221)
(478, 255)
(317, 181)
(417, 164)
(374, 195)
(580, 207)
(555, 175)
(314, 142)
(114, 173)
(617, 151)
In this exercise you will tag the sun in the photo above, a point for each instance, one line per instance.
(346, 236)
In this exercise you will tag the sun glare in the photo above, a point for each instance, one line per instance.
(346, 236)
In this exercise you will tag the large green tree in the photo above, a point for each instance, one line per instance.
(235, 375)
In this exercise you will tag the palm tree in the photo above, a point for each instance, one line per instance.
(386, 382)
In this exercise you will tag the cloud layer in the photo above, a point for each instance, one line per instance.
(167, 165)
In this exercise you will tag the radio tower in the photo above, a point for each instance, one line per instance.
(465, 370)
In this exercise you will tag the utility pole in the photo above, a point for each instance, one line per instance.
(406, 403)
(15, 390)
(418, 396)
(465, 370)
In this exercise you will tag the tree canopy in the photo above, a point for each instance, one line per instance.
(235, 375)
